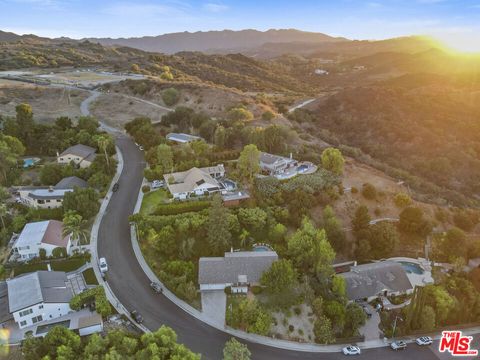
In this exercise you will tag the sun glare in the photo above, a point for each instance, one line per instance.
(461, 43)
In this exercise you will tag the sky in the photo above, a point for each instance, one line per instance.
(456, 21)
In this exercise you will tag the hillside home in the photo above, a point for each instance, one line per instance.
(239, 270)
(369, 281)
(275, 164)
(196, 181)
(81, 155)
(46, 235)
(182, 138)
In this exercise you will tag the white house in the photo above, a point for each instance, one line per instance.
(239, 270)
(197, 181)
(182, 138)
(38, 296)
(81, 155)
(49, 197)
(46, 235)
(275, 164)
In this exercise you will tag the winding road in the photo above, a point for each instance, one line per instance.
(132, 287)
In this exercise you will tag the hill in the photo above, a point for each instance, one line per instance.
(217, 41)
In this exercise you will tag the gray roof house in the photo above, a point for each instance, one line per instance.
(369, 281)
(182, 138)
(242, 267)
(39, 296)
(5, 314)
(80, 154)
(71, 182)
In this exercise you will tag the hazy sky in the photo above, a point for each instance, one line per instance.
(349, 18)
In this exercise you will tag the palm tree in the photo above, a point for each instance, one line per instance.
(102, 143)
(244, 239)
(74, 225)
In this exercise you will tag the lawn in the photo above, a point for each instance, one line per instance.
(151, 200)
(89, 276)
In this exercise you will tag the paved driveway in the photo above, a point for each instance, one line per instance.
(214, 303)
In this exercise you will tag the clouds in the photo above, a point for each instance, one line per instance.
(215, 7)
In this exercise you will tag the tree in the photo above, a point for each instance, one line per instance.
(88, 123)
(334, 229)
(164, 158)
(354, 319)
(219, 136)
(361, 220)
(454, 243)
(42, 253)
(332, 160)
(219, 236)
(427, 318)
(3, 213)
(335, 311)
(280, 278)
(383, 237)
(170, 96)
(413, 222)
(63, 123)
(322, 328)
(249, 316)
(268, 115)
(25, 121)
(239, 113)
(51, 174)
(10, 150)
(103, 142)
(249, 162)
(74, 225)
(253, 219)
(311, 252)
(83, 201)
(275, 138)
(402, 200)
(235, 350)
(369, 191)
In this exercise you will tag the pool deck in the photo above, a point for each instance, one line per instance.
(417, 279)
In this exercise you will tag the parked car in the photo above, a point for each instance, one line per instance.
(136, 316)
(141, 148)
(156, 184)
(351, 350)
(115, 187)
(367, 311)
(398, 345)
(102, 263)
(424, 340)
(156, 287)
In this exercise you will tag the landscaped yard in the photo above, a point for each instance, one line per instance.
(89, 276)
(66, 265)
(151, 200)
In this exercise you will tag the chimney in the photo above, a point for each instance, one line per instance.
(291, 157)
(231, 249)
(50, 188)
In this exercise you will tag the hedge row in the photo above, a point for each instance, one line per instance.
(96, 294)
(182, 207)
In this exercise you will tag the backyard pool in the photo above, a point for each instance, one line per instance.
(412, 268)
(302, 168)
(29, 162)
(261, 248)
(229, 184)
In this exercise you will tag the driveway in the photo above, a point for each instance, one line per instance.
(370, 330)
(214, 303)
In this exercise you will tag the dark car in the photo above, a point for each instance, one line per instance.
(115, 187)
(136, 316)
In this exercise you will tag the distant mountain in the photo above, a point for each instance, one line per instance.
(9, 37)
(218, 41)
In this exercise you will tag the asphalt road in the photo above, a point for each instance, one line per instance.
(132, 287)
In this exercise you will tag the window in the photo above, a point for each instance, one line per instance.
(23, 323)
(40, 306)
(25, 312)
(37, 319)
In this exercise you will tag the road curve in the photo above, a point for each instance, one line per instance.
(131, 286)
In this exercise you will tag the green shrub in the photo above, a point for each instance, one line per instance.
(256, 290)
(354, 190)
(402, 200)
(181, 207)
(96, 294)
(59, 252)
(369, 191)
(145, 189)
(297, 310)
(170, 96)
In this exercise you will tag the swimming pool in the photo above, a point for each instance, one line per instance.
(302, 168)
(29, 162)
(229, 184)
(412, 268)
(261, 248)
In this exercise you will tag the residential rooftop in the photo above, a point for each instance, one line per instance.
(79, 150)
(46, 232)
(48, 194)
(71, 182)
(182, 138)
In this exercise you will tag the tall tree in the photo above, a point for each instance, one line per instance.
(219, 235)
(25, 121)
(235, 350)
(332, 160)
(164, 158)
(219, 136)
(74, 225)
(103, 142)
(249, 162)
(361, 219)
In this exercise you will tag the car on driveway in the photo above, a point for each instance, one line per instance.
(367, 311)
(398, 345)
(136, 316)
(424, 340)
(156, 184)
(351, 350)
(102, 263)
(115, 187)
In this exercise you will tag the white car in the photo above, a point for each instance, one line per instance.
(398, 345)
(351, 350)
(102, 263)
(424, 340)
(141, 148)
(156, 184)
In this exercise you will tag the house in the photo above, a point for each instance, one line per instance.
(182, 138)
(38, 296)
(49, 197)
(81, 155)
(46, 235)
(196, 181)
(275, 164)
(383, 278)
(239, 270)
